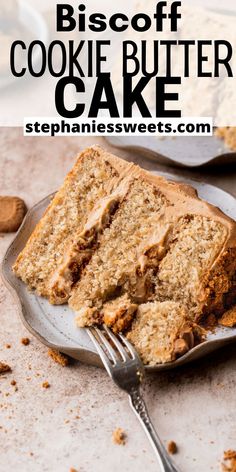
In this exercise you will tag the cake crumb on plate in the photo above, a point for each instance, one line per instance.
(25, 341)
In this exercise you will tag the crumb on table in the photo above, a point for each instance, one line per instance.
(58, 357)
(172, 447)
(4, 368)
(46, 384)
(25, 341)
(119, 436)
(73, 470)
(13, 382)
(8, 346)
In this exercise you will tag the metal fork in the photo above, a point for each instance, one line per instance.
(126, 369)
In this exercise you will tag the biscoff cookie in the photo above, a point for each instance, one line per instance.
(12, 212)
(172, 447)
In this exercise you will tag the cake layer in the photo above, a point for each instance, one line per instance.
(85, 243)
(164, 244)
(195, 244)
(94, 176)
(162, 332)
(113, 267)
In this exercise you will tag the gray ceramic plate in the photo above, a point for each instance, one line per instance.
(54, 325)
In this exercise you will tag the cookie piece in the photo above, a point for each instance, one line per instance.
(4, 368)
(12, 212)
(58, 357)
(229, 318)
(172, 447)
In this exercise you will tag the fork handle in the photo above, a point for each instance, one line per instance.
(140, 409)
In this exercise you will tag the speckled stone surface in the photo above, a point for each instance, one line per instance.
(70, 424)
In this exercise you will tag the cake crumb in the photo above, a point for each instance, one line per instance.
(8, 346)
(46, 384)
(172, 447)
(13, 382)
(4, 368)
(25, 341)
(230, 454)
(211, 322)
(228, 134)
(229, 464)
(58, 357)
(119, 436)
(229, 318)
(73, 470)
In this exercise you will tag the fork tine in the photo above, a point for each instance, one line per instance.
(105, 359)
(117, 343)
(129, 346)
(110, 349)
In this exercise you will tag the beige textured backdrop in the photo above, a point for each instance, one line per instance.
(39, 430)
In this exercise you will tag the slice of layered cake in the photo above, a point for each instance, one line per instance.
(167, 256)
(141, 254)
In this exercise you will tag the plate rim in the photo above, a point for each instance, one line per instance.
(210, 345)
